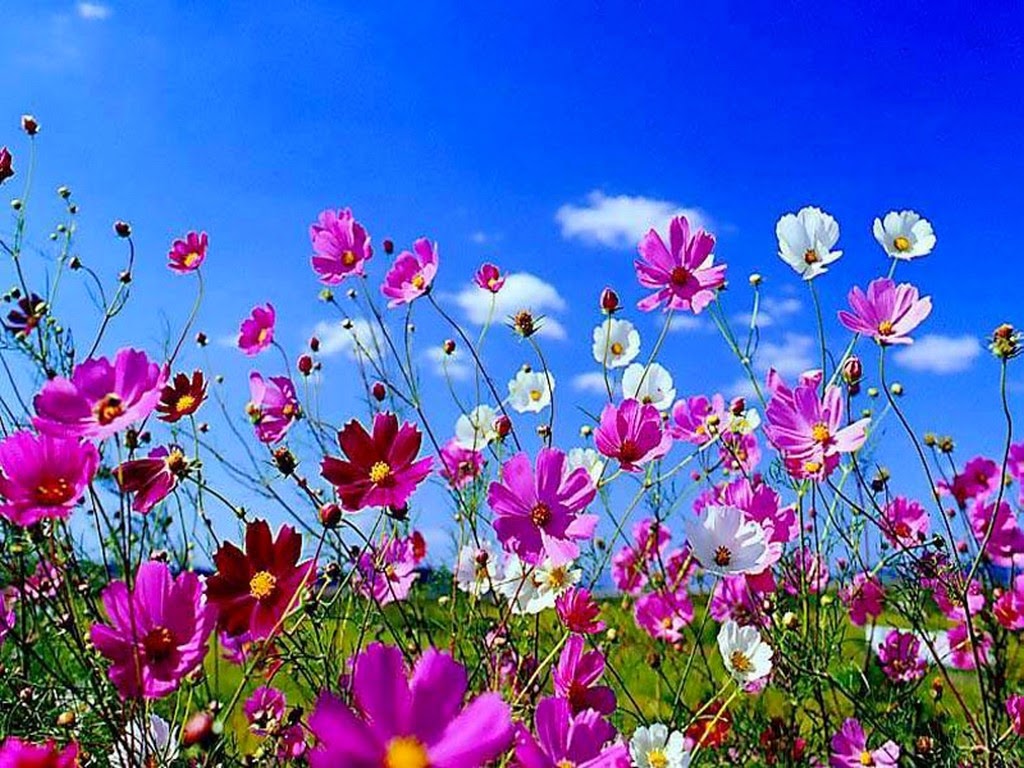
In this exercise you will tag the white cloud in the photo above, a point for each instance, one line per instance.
(620, 221)
(790, 358)
(335, 339)
(772, 311)
(939, 354)
(454, 365)
(743, 387)
(93, 11)
(590, 382)
(521, 291)
(685, 323)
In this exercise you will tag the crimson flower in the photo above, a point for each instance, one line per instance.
(182, 397)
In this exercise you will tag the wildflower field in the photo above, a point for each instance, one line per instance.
(675, 578)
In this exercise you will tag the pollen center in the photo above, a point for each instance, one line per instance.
(820, 433)
(901, 243)
(723, 556)
(617, 348)
(885, 328)
(262, 585)
(680, 276)
(811, 256)
(158, 643)
(418, 282)
(190, 259)
(406, 752)
(866, 758)
(812, 467)
(741, 662)
(379, 472)
(184, 403)
(54, 492)
(540, 514)
(348, 258)
(656, 759)
(535, 395)
(108, 408)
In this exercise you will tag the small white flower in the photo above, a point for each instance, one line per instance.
(531, 392)
(654, 747)
(532, 590)
(587, 458)
(806, 240)
(747, 657)
(649, 385)
(478, 569)
(905, 235)
(616, 343)
(141, 745)
(475, 430)
(724, 541)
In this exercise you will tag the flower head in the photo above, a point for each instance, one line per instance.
(682, 275)
(6, 165)
(806, 239)
(273, 406)
(478, 570)
(900, 657)
(460, 466)
(651, 385)
(153, 478)
(476, 430)
(386, 571)
(182, 396)
(1015, 711)
(15, 753)
(886, 312)
(188, 254)
(726, 541)
(632, 433)
(26, 318)
(699, 420)
(43, 476)
(534, 589)
(146, 742)
(575, 675)
(530, 391)
(257, 331)
(579, 612)
(654, 746)
(664, 615)
(905, 522)
(616, 343)
(865, 599)
(341, 246)
(850, 749)
(264, 709)
(489, 278)
(747, 657)
(584, 740)
(412, 274)
(904, 235)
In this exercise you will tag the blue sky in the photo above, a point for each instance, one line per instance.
(542, 138)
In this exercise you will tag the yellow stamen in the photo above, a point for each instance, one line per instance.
(54, 491)
(406, 752)
(190, 259)
(262, 585)
(616, 348)
(418, 282)
(885, 328)
(820, 433)
(184, 403)
(348, 258)
(812, 467)
(535, 394)
(723, 556)
(380, 472)
(740, 661)
(901, 243)
(656, 759)
(108, 408)
(866, 758)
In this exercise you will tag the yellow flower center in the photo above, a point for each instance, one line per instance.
(812, 467)
(535, 394)
(656, 758)
(740, 661)
(54, 491)
(492, 281)
(288, 410)
(406, 752)
(418, 282)
(866, 758)
(723, 556)
(184, 403)
(262, 585)
(885, 328)
(820, 433)
(348, 258)
(379, 472)
(616, 348)
(811, 256)
(108, 408)
(540, 514)
(190, 259)
(557, 577)
(176, 461)
(262, 335)
(901, 244)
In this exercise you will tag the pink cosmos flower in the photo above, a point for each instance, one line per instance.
(575, 675)
(6, 164)
(961, 651)
(8, 599)
(735, 598)
(1009, 606)
(739, 452)
(43, 476)
(1005, 538)
(402, 720)
(292, 743)
(850, 749)
(865, 599)
(632, 433)
(151, 479)
(101, 398)
(15, 753)
(158, 631)
(900, 657)
(538, 516)
(387, 571)
(341, 246)
(905, 522)
(257, 330)
(948, 595)
(187, 254)
(273, 406)
(583, 740)
(809, 571)
(699, 420)
(629, 571)
(579, 612)
(809, 432)
(978, 481)
(460, 466)
(264, 709)
(489, 278)
(663, 615)
(381, 469)
(762, 504)
(887, 312)
(1015, 710)
(682, 275)
(412, 274)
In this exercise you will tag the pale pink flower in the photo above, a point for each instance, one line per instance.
(887, 312)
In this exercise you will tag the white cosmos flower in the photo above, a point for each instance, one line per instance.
(649, 385)
(905, 234)
(478, 569)
(475, 430)
(530, 392)
(616, 343)
(141, 745)
(587, 458)
(747, 657)
(806, 240)
(654, 746)
(724, 541)
(532, 590)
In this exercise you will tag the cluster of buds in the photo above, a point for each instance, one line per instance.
(1007, 342)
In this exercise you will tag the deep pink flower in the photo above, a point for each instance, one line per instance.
(887, 312)
(1005, 538)
(8, 599)
(978, 481)
(810, 572)
(900, 657)
(735, 598)
(850, 749)
(905, 522)
(579, 612)
(1015, 710)
(341, 246)
(699, 420)
(489, 278)
(412, 274)
(6, 164)
(401, 720)
(273, 406)
(810, 432)
(187, 254)
(386, 572)
(739, 452)
(1009, 606)
(575, 675)
(663, 615)
(683, 275)
(1015, 462)
(563, 739)
(43, 476)
(632, 433)
(629, 571)
(257, 330)
(538, 516)
(158, 631)
(460, 466)
(961, 651)
(101, 397)
(948, 595)
(265, 708)
(292, 743)
(151, 479)
(15, 753)
(762, 504)
(381, 469)
(865, 599)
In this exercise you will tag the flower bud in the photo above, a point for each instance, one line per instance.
(314, 344)
(379, 391)
(330, 515)
(738, 406)
(64, 192)
(389, 246)
(609, 301)
(755, 279)
(449, 346)
(853, 370)
(502, 425)
(305, 365)
(122, 228)
(29, 125)
(198, 730)
(896, 389)
(201, 339)
(285, 461)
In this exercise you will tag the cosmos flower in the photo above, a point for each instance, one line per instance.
(724, 541)
(264, 709)
(584, 740)
(616, 343)
(905, 522)
(273, 406)
(654, 746)
(6, 164)
(460, 466)
(257, 330)
(850, 749)
(381, 469)
(146, 742)
(341, 246)
(587, 458)
(806, 240)
(412, 274)
(747, 657)
(904, 235)
(631, 433)
(254, 590)
(649, 384)
(182, 396)
(15, 753)
(158, 631)
(664, 615)
(886, 312)
(188, 254)
(534, 589)
(683, 275)
(101, 398)
(530, 391)
(809, 573)
(575, 676)
(539, 516)
(43, 582)
(409, 721)
(1009, 606)
(979, 479)
(579, 612)
(153, 478)
(386, 571)
(1015, 711)
(865, 599)
(478, 570)
(489, 278)
(30, 312)
(900, 657)
(476, 430)
(43, 476)
(997, 527)
(961, 649)
(699, 420)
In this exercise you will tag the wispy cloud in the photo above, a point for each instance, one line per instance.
(335, 339)
(93, 11)
(791, 357)
(619, 221)
(592, 382)
(521, 291)
(685, 323)
(454, 366)
(773, 311)
(939, 354)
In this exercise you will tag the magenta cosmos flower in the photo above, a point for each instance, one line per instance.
(699, 419)
(584, 740)
(537, 516)
(1003, 537)
(264, 709)
(489, 277)
(42, 476)
(412, 274)
(341, 246)
(273, 406)
(579, 612)
(575, 675)
(905, 522)
(887, 312)
(15, 753)
(188, 254)
(850, 749)
(632, 433)
(810, 432)
(682, 275)
(404, 721)
(101, 397)
(1015, 711)
(664, 615)
(386, 572)
(459, 465)
(257, 331)
(153, 478)
(865, 599)
(382, 469)
(158, 631)
(900, 657)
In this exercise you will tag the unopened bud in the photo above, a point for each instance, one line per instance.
(389, 246)
(379, 391)
(330, 515)
(305, 365)
(29, 125)
(449, 346)
(502, 425)
(609, 301)
(122, 228)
